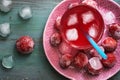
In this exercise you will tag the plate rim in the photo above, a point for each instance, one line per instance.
(44, 46)
(44, 39)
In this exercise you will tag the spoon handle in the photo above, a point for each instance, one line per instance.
(93, 43)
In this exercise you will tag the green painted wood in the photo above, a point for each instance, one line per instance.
(34, 66)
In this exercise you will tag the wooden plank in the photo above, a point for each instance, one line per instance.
(34, 66)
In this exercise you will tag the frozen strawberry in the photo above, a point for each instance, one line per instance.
(65, 60)
(55, 39)
(66, 48)
(114, 30)
(110, 61)
(57, 24)
(94, 53)
(94, 66)
(81, 60)
(109, 44)
(25, 44)
(73, 5)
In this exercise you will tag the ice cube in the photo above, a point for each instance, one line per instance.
(5, 5)
(25, 12)
(95, 63)
(72, 20)
(4, 29)
(87, 17)
(72, 34)
(93, 31)
(109, 17)
(90, 3)
(7, 62)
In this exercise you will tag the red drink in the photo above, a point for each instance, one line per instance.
(81, 17)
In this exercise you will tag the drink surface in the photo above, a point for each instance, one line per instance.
(76, 19)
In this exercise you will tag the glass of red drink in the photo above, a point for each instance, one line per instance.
(81, 17)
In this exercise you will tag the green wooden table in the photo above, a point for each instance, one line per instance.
(34, 66)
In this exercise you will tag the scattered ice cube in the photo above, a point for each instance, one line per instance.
(87, 17)
(25, 12)
(90, 3)
(5, 5)
(72, 20)
(95, 63)
(4, 29)
(72, 34)
(7, 61)
(109, 17)
(93, 31)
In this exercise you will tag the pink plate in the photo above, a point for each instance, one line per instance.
(53, 55)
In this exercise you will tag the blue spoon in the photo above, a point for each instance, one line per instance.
(93, 43)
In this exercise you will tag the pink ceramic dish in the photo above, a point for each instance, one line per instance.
(53, 55)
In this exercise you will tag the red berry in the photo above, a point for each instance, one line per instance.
(55, 39)
(109, 44)
(114, 30)
(65, 60)
(81, 60)
(94, 53)
(73, 5)
(25, 44)
(110, 61)
(57, 24)
(66, 48)
(94, 66)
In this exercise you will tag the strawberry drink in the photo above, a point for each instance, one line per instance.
(81, 17)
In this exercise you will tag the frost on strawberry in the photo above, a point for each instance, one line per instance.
(57, 24)
(109, 44)
(81, 60)
(65, 60)
(55, 39)
(25, 44)
(94, 66)
(66, 48)
(110, 61)
(114, 30)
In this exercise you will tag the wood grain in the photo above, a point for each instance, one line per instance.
(34, 66)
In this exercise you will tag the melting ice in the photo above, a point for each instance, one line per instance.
(72, 20)
(72, 34)
(87, 17)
